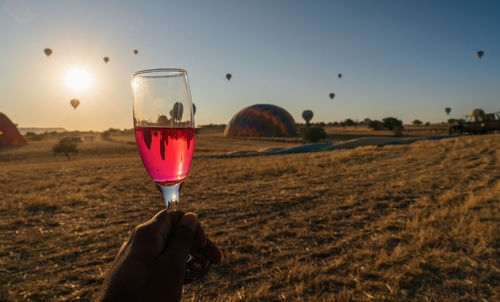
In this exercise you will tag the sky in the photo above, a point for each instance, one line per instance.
(406, 59)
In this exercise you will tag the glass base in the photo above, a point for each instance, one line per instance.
(170, 193)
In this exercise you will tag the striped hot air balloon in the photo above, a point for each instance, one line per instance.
(261, 120)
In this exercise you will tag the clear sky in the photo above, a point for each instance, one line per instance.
(407, 59)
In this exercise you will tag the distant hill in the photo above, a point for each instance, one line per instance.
(40, 130)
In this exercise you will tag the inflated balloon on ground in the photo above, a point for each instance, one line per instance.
(261, 120)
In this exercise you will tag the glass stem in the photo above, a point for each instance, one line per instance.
(170, 193)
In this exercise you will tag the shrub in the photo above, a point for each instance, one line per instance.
(398, 131)
(66, 146)
(32, 136)
(417, 122)
(313, 134)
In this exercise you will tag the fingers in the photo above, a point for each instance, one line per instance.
(200, 240)
(211, 252)
(174, 231)
(184, 236)
(149, 239)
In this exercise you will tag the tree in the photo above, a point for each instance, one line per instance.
(392, 123)
(417, 122)
(376, 125)
(349, 122)
(66, 146)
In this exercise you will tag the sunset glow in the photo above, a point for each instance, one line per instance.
(78, 79)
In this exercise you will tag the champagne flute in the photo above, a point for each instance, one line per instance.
(164, 133)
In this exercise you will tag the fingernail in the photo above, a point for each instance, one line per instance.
(190, 221)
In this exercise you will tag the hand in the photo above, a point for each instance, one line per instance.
(151, 265)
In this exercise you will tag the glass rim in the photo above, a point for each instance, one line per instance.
(160, 73)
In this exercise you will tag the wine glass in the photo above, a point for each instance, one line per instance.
(164, 133)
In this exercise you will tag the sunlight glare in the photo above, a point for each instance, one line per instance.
(78, 79)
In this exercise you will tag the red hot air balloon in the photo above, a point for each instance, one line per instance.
(47, 51)
(106, 59)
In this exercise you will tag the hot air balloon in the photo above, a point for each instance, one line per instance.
(331, 95)
(479, 54)
(261, 120)
(447, 110)
(340, 75)
(228, 76)
(176, 112)
(75, 103)
(136, 51)
(307, 115)
(106, 59)
(47, 51)
(194, 109)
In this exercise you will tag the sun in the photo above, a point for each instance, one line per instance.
(78, 79)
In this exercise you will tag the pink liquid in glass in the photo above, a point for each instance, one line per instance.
(165, 152)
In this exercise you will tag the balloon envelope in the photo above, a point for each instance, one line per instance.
(340, 75)
(331, 95)
(47, 51)
(447, 110)
(136, 51)
(228, 76)
(106, 59)
(261, 120)
(307, 115)
(479, 54)
(75, 103)
(176, 112)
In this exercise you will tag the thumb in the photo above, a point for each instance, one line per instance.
(183, 238)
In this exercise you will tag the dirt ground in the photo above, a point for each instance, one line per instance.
(405, 222)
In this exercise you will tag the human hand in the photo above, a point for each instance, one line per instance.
(151, 265)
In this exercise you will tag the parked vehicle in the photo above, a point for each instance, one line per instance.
(477, 122)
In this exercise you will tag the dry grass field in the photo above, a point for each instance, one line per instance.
(406, 222)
